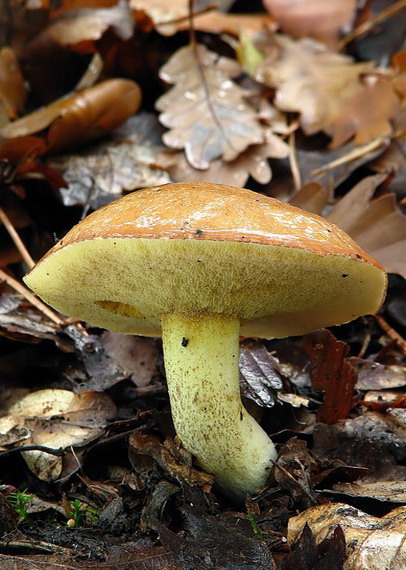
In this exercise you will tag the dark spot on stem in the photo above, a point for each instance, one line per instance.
(185, 341)
(344, 274)
(198, 232)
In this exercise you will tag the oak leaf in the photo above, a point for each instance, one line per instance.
(206, 112)
(251, 162)
(331, 92)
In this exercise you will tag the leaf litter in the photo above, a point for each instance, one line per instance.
(100, 435)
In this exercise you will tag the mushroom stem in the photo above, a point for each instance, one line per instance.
(202, 368)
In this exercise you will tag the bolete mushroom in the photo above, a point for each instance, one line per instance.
(202, 264)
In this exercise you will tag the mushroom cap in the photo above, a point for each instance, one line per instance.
(195, 248)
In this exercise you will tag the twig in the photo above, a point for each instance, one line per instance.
(201, 12)
(366, 26)
(57, 452)
(17, 286)
(353, 155)
(16, 239)
(394, 335)
(294, 166)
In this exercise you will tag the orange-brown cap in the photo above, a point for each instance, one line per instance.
(208, 248)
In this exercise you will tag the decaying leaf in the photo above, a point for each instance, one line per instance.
(56, 419)
(329, 90)
(206, 112)
(312, 18)
(80, 117)
(170, 457)
(371, 542)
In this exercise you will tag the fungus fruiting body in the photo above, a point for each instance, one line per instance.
(201, 264)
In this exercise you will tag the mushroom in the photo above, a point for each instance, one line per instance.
(202, 264)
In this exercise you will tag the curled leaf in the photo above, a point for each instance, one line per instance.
(80, 117)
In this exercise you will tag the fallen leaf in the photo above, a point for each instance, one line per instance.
(329, 91)
(251, 162)
(176, 462)
(82, 23)
(104, 170)
(372, 440)
(80, 117)
(376, 376)
(210, 542)
(13, 93)
(305, 553)
(206, 111)
(386, 491)
(313, 18)
(260, 375)
(167, 18)
(376, 224)
(371, 542)
(331, 373)
(57, 419)
(365, 122)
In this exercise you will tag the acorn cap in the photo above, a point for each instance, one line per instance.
(199, 248)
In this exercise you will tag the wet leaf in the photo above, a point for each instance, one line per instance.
(376, 376)
(371, 542)
(331, 373)
(260, 375)
(206, 111)
(81, 117)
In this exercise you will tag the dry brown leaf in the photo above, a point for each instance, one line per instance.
(85, 24)
(313, 18)
(251, 162)
(366, 115)
(391, 491)
(169, 17)
(311, 197)
(372, 542)
(330, 91)
(80, 117)
(376, 224)
(56, 419)
(13, 92)
(216, 22)
(206, 111)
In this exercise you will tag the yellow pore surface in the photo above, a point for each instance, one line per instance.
(127, 284)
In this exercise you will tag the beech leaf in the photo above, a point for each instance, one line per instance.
(80, 117)
(206, 112)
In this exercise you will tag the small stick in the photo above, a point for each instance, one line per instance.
(17, 286)
(366, 26)
(294, 166)
(16, 239)
(394, 335)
